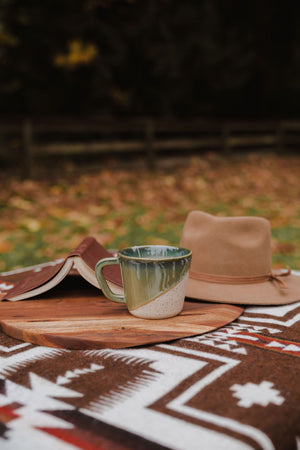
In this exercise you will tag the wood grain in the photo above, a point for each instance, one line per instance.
(84, 319)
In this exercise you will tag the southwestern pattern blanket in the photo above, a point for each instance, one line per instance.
(233, 388)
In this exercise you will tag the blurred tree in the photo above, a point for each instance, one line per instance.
(150, 57)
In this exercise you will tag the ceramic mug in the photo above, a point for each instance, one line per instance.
(154, 279)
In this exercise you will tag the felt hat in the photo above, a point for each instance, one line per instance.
(231, 262)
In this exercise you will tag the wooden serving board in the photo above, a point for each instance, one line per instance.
(85, 319)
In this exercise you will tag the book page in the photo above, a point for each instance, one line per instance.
(65, 269)
(89, 274)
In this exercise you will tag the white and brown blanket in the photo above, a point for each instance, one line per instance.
(237, 387)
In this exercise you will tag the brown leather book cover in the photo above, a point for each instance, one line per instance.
(28, 282)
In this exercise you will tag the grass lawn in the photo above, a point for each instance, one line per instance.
(43, 219)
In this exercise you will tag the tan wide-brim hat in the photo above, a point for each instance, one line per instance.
(231, 262)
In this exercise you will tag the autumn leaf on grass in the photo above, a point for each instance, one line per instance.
(20, 203)
(104, 239)
(98, 210)
(31, 224)
(57, 212)
(5, 246)
(284, 247)
(154, 240)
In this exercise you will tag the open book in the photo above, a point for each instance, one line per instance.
(32, 281)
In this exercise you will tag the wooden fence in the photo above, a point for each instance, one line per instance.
(28, 140)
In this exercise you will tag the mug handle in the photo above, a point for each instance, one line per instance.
(102, 281)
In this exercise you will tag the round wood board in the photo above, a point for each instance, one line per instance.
(84, 319)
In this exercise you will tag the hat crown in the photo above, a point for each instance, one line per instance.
(231, 246)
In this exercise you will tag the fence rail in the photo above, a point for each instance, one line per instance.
(31, 139)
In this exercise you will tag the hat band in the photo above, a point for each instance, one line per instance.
(228, 279)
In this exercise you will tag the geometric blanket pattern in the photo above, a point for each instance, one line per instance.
(233, 388)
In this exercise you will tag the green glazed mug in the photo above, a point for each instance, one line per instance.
(154, 279)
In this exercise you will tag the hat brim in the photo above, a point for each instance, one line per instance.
(265, 293)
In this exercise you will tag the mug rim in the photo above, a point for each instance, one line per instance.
(154, 259)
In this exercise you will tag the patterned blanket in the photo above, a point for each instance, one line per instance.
(237, 387)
